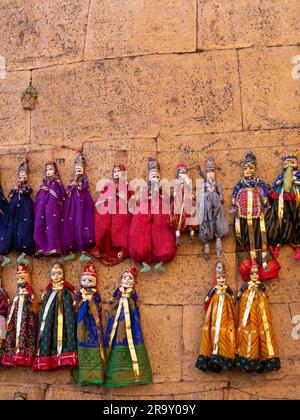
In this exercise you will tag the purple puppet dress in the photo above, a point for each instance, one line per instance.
(78, 225)
(48, 213)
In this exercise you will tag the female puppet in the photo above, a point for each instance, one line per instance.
(283, 219)
(213, 223)
(151, 238)
(21, 324)
(257, 349)
(249, 202)
(217, 348)
(56, 342)
(18, 221)
(90, 341)
(183, 207)
(112, 220)
(48, 213)
(126, 353)
(78, 226)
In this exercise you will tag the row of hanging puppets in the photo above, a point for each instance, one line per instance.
(69, 332)
(67, 221)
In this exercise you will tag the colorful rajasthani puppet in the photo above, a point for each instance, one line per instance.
(257, 349)
(183, 207)
(4, 306)
(126, 353)
(21, 324)
(18, 220)
(112, 219)
(249, 202)
(56, 341)
(48, 213)
(217, 348)
(283, 219)
(78, 226)
(151, 238)
(213, 223)
(90, 340)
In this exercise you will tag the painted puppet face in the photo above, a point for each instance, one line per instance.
(154, 177)
(182, 176)
(23, 176)
(127, 279)
(249, 170)
(79, 170)
(254, 274)
(290, 163)
(22, 279)
(211, 176)
(88, 281)
(49, 171)
(117, 172)
(57, 274)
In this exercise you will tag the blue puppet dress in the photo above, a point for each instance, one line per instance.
(90, 340)
(126, 353)
(5, 226)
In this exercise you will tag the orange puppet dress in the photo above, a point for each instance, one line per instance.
(257, 349)
(217, 348)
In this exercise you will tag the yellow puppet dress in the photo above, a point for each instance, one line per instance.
(257, 349)
(217, 347)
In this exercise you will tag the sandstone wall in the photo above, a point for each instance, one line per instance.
(125, 79)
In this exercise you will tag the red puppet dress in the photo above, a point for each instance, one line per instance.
(112, 220)
(151, 238)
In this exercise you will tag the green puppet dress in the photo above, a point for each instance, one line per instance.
(56, 346)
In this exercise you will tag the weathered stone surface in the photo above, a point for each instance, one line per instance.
(137, 98)
(232, 24)
(163, 324)
(39, 34)
(29, 391)
(171, 390)
(127, 28)
(26, 375)
(283, 389)
(14, 121)
(270, 96)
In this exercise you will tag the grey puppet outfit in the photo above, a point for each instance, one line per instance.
(214, 224)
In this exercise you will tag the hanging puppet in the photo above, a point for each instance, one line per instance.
(213, 223)
(257, 349)
(112, 219)
(249, 203)
(283, 219)
(126, 353)
(56, 341)
(183, 206)
(4, 306)
(90, 340)
(151, 238)
(18, 220)
(21, 324)
(78, 226)
(217, 348)
(5, 228)
(48, 213)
